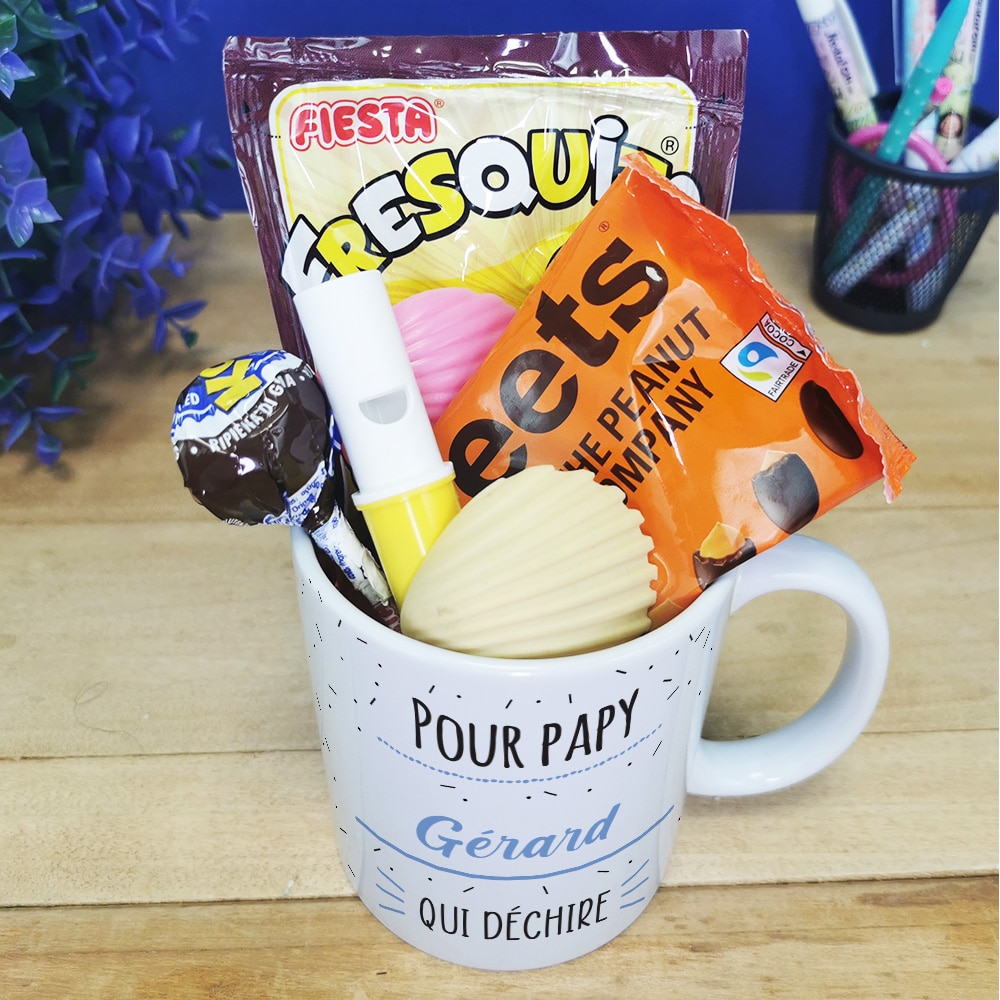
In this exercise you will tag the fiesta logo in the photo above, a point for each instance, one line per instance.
(328, 124)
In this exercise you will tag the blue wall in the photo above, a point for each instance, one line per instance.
(782, 145)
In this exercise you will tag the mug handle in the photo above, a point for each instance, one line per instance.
(816, 738)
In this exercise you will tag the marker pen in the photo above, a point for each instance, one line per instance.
(900, 228)
(405, 491)
(981, 154)
(919, 292)
(922, 81)
(919, 18)
(904, 119)
(962, 70)
(926, 128)
(842, 57)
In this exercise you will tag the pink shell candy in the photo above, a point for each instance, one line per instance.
(447, 333)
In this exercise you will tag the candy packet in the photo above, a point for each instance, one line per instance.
(654, 353)
(465, 160)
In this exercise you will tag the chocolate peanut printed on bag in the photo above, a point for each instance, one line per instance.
(465, 160)
(654, 353)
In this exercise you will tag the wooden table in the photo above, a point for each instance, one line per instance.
(164, 824)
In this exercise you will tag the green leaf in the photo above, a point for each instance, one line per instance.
(66, 369)
(38, 142)
(8, 385)
(81, 359)
(6, 125)
(49, 80)
(17, 428)
(42, 25)
(8, 32)
(60, 379)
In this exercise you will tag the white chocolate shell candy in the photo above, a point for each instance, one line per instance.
(544, 563)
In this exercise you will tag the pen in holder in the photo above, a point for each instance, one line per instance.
(922, 226)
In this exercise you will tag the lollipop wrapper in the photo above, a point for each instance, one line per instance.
(655, 354)
(253, 439)
(464, 160)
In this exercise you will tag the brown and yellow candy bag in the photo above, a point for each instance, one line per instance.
(464, 160)
(654, 353)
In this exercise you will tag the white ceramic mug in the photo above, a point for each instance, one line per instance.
(512, 814)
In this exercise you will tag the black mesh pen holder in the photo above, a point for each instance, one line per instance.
(891, 240)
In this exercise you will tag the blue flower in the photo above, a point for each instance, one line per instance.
(12, 66)
(76, 154)
(24, 199)
(29, 204)
(16, 163)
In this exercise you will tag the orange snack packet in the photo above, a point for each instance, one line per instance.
(654, 353)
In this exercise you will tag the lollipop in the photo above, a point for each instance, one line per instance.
(544, 563)
(447, 333)
(252, 437)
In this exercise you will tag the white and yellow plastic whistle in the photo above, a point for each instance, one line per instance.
(406, 491)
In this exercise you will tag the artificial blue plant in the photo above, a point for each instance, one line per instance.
(78, 161)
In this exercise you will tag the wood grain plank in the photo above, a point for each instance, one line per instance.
(167, 638)
(202, 827)
(174, 638)
(928, 939)
(937, 577)
(163, 639)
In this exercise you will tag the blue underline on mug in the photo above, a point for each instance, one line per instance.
(389, 878)
(634, 902)
(391, 895)
(518, 781)
(628, 892)
(514, 878)
(636, 873)
(633, 876)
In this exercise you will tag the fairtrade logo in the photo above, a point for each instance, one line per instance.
(762, 366)
(751, 356)
(327, 124)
